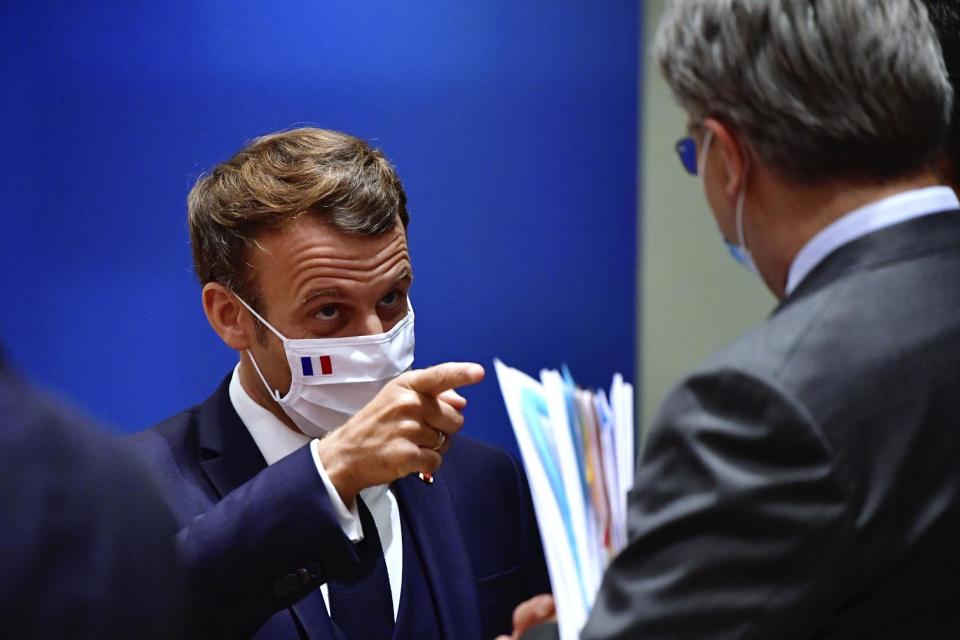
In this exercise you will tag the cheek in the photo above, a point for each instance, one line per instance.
(722, 211)
(273, 363)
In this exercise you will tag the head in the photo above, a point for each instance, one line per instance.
(945, 16)
(811, 95)
(308, 227)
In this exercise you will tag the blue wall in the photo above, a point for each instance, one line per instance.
(512, 124)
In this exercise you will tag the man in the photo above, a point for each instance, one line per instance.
(804, 481)
(307, 488)
(83, 553)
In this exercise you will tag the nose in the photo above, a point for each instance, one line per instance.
(370, 324)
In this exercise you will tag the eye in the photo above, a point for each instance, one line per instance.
(390, 299)
(329, 312)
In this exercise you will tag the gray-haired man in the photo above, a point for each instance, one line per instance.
(805, 481)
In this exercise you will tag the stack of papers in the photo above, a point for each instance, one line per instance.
(578, 451)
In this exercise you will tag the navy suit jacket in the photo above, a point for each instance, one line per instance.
(82, 549)
(259, 540)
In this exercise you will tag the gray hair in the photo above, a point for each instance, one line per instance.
(819, 88)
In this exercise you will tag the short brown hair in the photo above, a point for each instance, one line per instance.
(276, 179)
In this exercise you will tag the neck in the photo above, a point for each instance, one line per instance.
(253, 385)
(786, 215)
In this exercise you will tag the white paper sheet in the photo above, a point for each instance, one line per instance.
(577, 449)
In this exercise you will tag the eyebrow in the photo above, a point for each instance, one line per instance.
(333, 292)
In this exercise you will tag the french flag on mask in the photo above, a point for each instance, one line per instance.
(319, 365)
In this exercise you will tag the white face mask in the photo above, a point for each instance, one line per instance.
(331, 379)
(739, 251)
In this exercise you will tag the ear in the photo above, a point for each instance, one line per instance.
(733, 154)
(227, 316)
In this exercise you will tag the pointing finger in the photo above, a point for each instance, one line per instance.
(443, 377)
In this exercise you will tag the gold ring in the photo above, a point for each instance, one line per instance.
(441, 438)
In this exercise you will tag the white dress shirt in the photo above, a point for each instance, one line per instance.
(275, 441)
(867, 219)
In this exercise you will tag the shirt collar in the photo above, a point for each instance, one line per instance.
(865, 220)
(274, 439)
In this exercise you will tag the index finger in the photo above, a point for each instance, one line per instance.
(435, 380)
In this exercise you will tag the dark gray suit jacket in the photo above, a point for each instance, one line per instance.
(85, 552)
(805, 482)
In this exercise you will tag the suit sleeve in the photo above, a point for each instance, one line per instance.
(737, 521)
(263, 547)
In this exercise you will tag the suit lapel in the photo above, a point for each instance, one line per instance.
(313, 620)
(228, 455)
(229, 458)
(434, 529)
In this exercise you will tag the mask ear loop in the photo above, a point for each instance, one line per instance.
(741, 237)
(274, 393)
(741, 233)
(256, 315)
(702, 158)
(701, 162)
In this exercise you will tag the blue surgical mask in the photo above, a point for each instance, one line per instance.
(739, 251)
(741, 255)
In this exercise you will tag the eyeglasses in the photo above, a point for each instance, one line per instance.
(687, 150)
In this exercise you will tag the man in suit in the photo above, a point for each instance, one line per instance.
(307, 488)
(83, 548)
(804, 481)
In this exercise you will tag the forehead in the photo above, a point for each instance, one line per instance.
(309, 255)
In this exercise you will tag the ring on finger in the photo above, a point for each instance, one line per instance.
(441, 439)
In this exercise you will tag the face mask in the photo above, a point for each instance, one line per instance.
(739, 251)
(331, 379)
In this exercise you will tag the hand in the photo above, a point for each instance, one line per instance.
(395, 434)
(536, 610)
